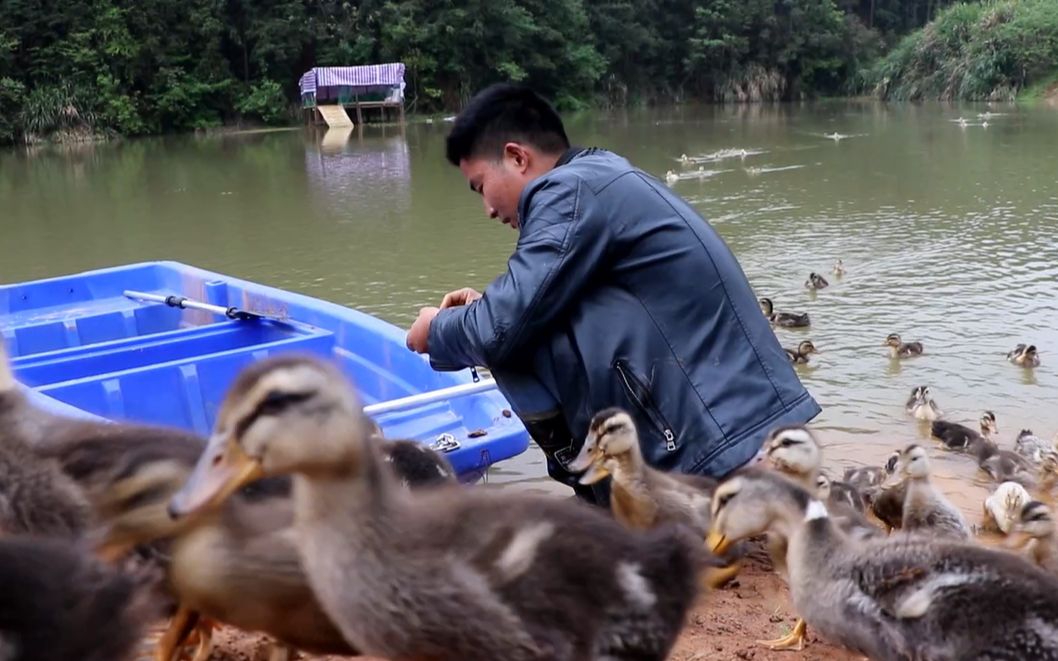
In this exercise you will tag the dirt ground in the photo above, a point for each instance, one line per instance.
(724, 626)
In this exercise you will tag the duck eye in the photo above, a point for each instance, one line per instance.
(724, 500)
(787, 442)
(277, 400)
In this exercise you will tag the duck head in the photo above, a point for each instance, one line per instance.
(287, 414)
(793, 450)
(612, 438)
(988, 423)
(767, 307)
(914, 461)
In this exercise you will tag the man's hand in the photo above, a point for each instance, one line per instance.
(419, 332)
(464, 296)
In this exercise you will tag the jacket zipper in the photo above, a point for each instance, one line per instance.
(646, 404)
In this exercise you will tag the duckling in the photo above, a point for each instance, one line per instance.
(794, 451)
(834, 492)
(1031, 446)
(671, 177)
(1003, 506)
(925, 509)
(900, 349)
(1034, 531)
(865, 478)
(799, 356)
(1026, 356)
(36, 498)
(784, 319)
(1007, 466)
(415, 465)
(59, 603)
(816, 281)
(392, 567)
(641, 497)
(893, 598)
(238, 564)
(839, 268)
(921, 405)
(959, 437)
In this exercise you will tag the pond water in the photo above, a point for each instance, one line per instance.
(949, 233)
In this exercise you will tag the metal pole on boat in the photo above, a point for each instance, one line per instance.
(431, 397)
(184, 302)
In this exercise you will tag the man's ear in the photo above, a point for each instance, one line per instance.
(517, 156)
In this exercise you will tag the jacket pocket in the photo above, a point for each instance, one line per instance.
(640, 394)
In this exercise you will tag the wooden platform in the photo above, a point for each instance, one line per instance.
(335, 116)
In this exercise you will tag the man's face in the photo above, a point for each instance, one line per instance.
(500, 181)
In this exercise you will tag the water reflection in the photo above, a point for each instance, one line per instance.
(345, 169)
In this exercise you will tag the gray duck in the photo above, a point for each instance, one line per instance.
(60, 604)
(893, 599)
(392, 567)
(783, 319)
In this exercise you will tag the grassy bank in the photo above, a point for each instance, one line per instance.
(992, 50)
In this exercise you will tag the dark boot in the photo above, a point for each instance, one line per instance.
(554, 438)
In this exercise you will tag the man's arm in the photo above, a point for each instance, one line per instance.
(560, 248)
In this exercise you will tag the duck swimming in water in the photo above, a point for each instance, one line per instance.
(799, 356)
(816, 281)
(1025, 356)
(900, 349)
(784, 319)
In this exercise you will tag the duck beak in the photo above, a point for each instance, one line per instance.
(718, 543)
(221, 471)
(595, 473)
(584, 458)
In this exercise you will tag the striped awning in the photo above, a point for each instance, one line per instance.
(368, 75)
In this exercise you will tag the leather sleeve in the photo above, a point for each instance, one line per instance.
(564, 240)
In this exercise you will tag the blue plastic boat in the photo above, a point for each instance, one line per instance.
(83, 348)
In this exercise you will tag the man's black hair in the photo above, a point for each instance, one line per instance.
(503, 113)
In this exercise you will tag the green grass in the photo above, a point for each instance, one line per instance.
(990, 50)
(1038, 91)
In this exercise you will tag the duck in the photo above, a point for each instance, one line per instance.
(61, 603)
(784, 319)
(392, 566)
(900, 349)
(887, 499)
(1034, 533)
(671, 177)
(921, 405)
(831, 492)
(1007, 466)
(1031, 446)
(959, 437)
(237, 565)
(799, 356)
(641, 497)
(926, 511)
(1003, 506)
(867, 478)
(839, 268)
(1025, 356)
(36, 497)
(891, 598)
(816, 281)
(794, 451)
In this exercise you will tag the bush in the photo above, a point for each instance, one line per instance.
(12, 95)
(974, 51)
(265, 101)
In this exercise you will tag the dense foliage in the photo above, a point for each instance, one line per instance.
(148, 66)
(987, 50)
